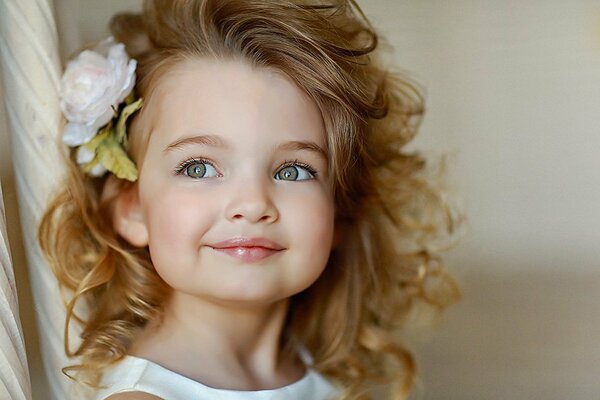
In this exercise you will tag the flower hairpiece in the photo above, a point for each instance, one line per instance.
(96, 98)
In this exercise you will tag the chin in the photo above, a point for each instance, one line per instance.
(251, 294)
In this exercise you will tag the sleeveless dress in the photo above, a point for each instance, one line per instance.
(138, 374)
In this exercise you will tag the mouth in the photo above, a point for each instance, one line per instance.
(248, 249)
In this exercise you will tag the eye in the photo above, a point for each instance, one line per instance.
(197, 169)
(295, 171)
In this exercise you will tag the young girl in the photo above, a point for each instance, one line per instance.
(260, 232)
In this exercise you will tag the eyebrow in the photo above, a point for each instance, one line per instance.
(216, 141)
(206, 140)
(304, 145)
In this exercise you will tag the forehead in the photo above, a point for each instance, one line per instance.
(232, 99)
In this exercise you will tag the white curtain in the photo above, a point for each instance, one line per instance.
(31, 75)
(14, 375)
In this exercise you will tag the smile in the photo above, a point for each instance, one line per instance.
(248, 249)
(247, 254)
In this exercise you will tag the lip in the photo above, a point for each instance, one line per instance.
(248, 249)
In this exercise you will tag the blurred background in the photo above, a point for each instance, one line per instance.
(513, 96)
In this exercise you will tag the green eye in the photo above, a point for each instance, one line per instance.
(288, 173)
(198, 169)
(295, 172)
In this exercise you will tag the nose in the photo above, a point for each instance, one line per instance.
(251, 201)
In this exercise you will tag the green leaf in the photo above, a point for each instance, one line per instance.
(102, 135)
(121, 124)
(114, 158)
(88, 167)
(130, 97)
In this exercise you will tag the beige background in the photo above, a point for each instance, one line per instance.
(513, 94)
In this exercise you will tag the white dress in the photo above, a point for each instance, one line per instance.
(138, 374)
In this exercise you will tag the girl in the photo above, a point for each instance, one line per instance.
(260, 232)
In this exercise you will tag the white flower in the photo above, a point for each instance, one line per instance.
(97, 170)
(93, 83)
(84, 155)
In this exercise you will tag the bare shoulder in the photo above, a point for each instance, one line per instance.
(133, 396)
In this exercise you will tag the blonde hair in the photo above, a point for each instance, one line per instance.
(350, 320)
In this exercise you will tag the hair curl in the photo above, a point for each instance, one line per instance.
(391, 215)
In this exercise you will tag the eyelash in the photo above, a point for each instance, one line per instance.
(289, 163)
(179, 170)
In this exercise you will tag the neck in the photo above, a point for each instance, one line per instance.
(244, 342)
(243, 332)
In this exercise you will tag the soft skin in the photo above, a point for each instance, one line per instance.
(222, 326)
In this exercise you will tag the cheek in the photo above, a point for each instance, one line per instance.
(312, 225)
(177, 222)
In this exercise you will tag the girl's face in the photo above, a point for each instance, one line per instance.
(235, 152)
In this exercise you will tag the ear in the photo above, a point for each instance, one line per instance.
(128, 218)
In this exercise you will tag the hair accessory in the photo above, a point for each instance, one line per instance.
(96, 98)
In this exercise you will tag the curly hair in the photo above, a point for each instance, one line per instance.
(392, 215)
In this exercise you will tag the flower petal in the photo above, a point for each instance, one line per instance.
(97, 170)
(130, 81)
(84, 155)
(77, 134)
(103, 119)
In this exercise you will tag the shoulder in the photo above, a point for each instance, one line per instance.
(133, 396)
